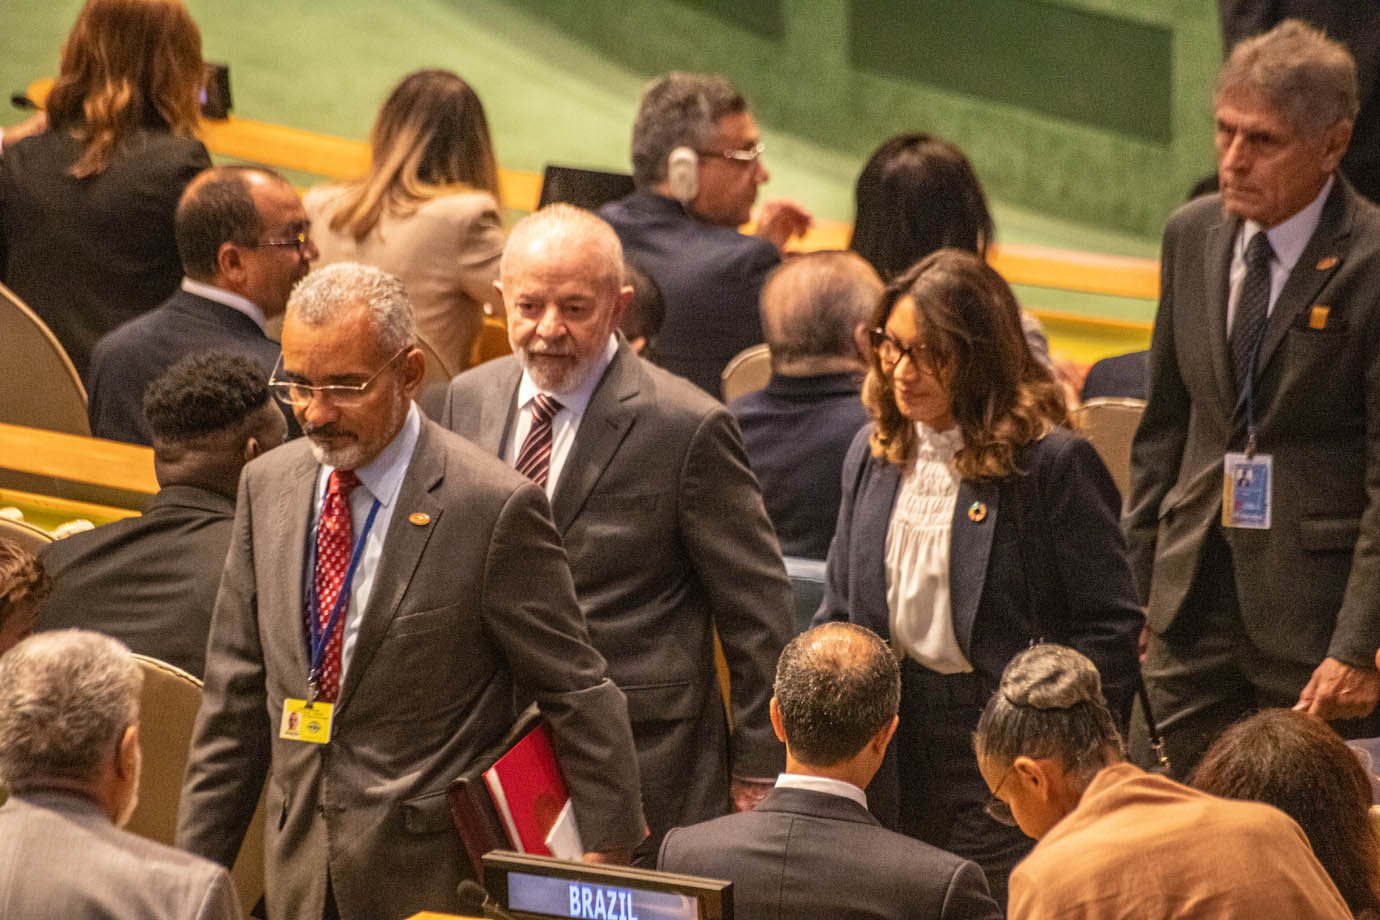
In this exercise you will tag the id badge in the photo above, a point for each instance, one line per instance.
(1246, 488)
(305, 721)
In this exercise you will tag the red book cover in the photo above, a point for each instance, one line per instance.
(528, 791)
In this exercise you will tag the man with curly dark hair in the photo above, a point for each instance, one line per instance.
(151, 581)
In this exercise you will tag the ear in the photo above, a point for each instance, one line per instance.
(414, 369)
(1336, 141)
(252, 449)
(230, 264)
(862, 343)
(1034, 775)
(620, 306)
(127, 754)
(777, 725)
(883, 738)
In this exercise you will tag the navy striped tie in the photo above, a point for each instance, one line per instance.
(534, 460)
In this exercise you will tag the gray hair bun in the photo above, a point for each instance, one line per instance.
(1051, 677)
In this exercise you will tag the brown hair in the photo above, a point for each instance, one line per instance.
(21, 577)
(430, 136)
(126, 64)
(1293, 761)
(1000, 395)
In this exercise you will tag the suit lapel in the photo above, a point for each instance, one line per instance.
(970, 546)
(1216, 276)
(498, 409)
(296, 494)
(606, 422)
(402, 551)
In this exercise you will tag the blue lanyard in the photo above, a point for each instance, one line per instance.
(319, 637)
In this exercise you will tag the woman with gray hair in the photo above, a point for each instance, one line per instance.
(1115, 841)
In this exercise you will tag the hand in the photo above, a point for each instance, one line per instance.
(622, 856)
(1142, 644)
(780, 219)
(748, 793)
(1340, 691)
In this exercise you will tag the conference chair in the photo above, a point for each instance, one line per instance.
(585, 188)
(807, 588)
(40, 387)
(167, 712)
(748, 372)
(28, 536)
(1110, 422)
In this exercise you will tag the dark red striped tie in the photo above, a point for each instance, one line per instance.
(534, 460)
(334, 539)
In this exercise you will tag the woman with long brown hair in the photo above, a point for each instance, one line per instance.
(973, 523)
(427, 211)
(86, 207)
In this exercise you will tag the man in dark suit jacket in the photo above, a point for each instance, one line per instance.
(244, 241)
(1118, 375)
(1265, 343)
(697, 165)
(661, 518)
(815, 310)
(458, 608)
(150, 581)
(812, 849)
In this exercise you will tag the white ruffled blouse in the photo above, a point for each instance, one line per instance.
(917, 555)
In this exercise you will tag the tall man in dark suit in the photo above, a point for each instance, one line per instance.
(150, 581)
(815, 310)
(661, 518)
(1264, 385)
(812, 849)
(244, 240)
(697, 164)
(392, 594)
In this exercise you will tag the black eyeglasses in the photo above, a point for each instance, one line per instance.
(890, 352)
(995, 808)
(299, 240)
(341, 395)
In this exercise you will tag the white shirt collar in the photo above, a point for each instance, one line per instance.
(576, 401)
(1289, 237)
(822, 784)
(383, 475)
(228, 298)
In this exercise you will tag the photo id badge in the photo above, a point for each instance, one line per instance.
(304, 721)
(1246, 491)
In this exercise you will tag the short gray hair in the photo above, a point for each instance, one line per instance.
(812, 303)
(679, 110)
(1049, 705)
(573, 226)
(66, 698)
(837, 685)
(1301, 73)
(329, 293)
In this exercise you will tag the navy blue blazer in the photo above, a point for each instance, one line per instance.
(1035, 555)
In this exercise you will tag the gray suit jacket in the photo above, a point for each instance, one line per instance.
(668, 542)
(1309, 586)
(805, 855)
(472, 605)
(62, 857)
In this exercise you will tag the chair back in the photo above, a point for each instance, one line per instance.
(493, 340)
(749, 371)
(585, 188)
(28, 536)
(1110, 423)
(40, 386)
(807, 587)
(167, 712)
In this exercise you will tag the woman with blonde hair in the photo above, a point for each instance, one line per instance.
(427, 211)
(972, 523)
(86, 207)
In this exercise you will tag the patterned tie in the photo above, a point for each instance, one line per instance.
(334, 543)
(534, 460)
(1252, 307)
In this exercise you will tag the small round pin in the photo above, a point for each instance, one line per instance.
(420, 518)
(977, 512)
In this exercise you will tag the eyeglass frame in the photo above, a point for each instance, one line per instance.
(352, 393)
(877, 337)
(997, 809)
(751, 155)
(299, 240)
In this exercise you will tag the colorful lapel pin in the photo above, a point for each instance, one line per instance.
(977, 512)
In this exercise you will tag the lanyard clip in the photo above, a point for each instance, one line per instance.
(313, 687)
(1250, 442)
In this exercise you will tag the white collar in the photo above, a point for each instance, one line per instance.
(822, 784)
(383, 475)
(1289, 237)
(228, 298)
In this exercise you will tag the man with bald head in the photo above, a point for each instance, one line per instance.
(244, 240)
(661, 518)
(815, 310)
(392, 596)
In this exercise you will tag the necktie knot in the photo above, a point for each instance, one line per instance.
(544, 409)
(1258, 252)
(342, 483)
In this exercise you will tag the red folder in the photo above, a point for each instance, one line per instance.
(528, 791)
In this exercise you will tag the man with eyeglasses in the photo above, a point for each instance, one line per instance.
(697, 163)
(391, 593)
(812, 850)
(244, 241)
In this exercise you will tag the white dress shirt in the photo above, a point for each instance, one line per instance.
(822, 784)
(1287, 239)
(229, 298)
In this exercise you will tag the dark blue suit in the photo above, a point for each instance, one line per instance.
(1035, 555)
(796, 433)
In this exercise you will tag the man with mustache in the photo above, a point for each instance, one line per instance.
(390, 595)
(662, 520)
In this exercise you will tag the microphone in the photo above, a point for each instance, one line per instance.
(474, 896)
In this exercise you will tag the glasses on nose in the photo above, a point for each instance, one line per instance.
(995, 808)
(299, 395)
(750, 155)
(299, 240)
(890, 352)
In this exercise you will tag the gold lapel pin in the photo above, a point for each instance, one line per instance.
(977, 512)
(1326, 262)
(420, 518)
(1317, 316)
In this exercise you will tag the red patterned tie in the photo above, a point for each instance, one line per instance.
(334, 542)
(534, 460)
